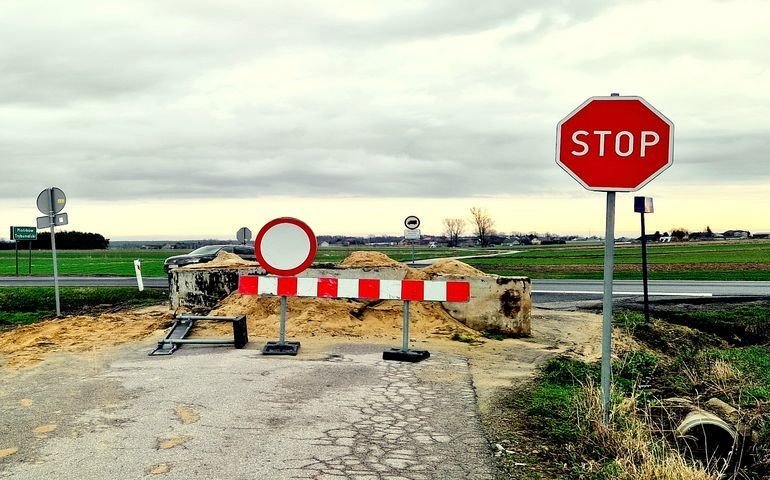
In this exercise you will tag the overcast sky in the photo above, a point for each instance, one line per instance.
(188, 119)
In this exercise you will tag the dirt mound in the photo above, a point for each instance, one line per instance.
(369, 259)
(26, 346)
(222, 260)
(362, 259)
(332, 317)
(449, 266)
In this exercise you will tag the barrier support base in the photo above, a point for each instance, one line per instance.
(275, 348)
(398, 355)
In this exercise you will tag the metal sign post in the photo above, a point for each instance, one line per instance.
(609, 267)
(412, 233)
(55, 266)
(643, 141)
(284, 246)
(23, 233)
(50, 202)
(643, 205)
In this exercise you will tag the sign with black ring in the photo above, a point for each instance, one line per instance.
(412, 222)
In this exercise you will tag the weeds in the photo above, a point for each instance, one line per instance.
(24, 305)
(464, 338)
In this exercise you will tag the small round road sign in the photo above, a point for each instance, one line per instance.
(243, 235)
(412, 222)
(51, 199)
(285, 246)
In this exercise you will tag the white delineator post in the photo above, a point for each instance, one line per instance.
(138, 271)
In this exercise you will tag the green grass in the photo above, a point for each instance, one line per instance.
(687, 261)
(754, 364)
(552, 399)
(737, 260)
(87, 262)
(744, 324)
(23, 305)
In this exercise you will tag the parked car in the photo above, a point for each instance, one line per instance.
(207, 253)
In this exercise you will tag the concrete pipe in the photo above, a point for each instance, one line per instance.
(707, 436)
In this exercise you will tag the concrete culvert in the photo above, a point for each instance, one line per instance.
(707, 437)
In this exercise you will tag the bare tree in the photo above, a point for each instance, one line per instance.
(483, 224)
(453, 228)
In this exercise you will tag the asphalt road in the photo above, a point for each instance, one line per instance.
(235, 414)
(546, 291)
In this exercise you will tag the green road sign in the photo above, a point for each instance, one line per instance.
(23, 233)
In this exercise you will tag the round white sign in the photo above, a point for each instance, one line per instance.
(285, 246)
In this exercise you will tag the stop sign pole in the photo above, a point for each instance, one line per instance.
(613, 144)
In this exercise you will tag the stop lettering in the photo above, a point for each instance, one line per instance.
(623, 142)
(614, 143)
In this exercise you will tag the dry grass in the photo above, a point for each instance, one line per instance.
(640, 453)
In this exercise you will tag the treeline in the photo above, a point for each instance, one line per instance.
(64, 241)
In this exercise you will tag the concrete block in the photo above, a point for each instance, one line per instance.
(498, 304)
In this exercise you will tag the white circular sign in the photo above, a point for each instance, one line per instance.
(285, 246)
(412, 222)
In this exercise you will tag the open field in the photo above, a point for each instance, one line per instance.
(744, 260)
(736, 260)
(87, 262)
(120, 262)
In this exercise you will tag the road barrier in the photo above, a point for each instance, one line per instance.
(358, 288)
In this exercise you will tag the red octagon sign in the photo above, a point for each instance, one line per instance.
(615, 144)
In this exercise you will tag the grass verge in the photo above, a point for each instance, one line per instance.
(24, 305)
(553, 428)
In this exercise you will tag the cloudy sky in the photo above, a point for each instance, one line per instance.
(189, 119)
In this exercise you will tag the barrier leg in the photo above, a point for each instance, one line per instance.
(405, 354)
(281, 347)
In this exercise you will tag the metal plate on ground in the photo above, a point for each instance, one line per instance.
(275, 348)
(399, 355)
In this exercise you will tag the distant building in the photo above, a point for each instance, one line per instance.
(736, 234)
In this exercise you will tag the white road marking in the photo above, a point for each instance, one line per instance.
(652, 294)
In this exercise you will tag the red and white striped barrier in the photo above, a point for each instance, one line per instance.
(363, 288)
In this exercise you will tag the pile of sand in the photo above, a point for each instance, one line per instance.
(25, 346)
(222, 260)
(340, 317)
(332, 317)
(361, 259)
(447, 266)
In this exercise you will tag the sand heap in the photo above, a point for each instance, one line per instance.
(332, 317)
(338, 317)
(361, 259)
(448, 266)
(25, 346)
(222, 260)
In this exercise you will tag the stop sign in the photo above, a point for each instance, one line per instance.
(614, 144)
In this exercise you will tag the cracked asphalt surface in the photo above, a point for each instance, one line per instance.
(222, 413)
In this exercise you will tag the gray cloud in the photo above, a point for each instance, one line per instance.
(243, 99)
